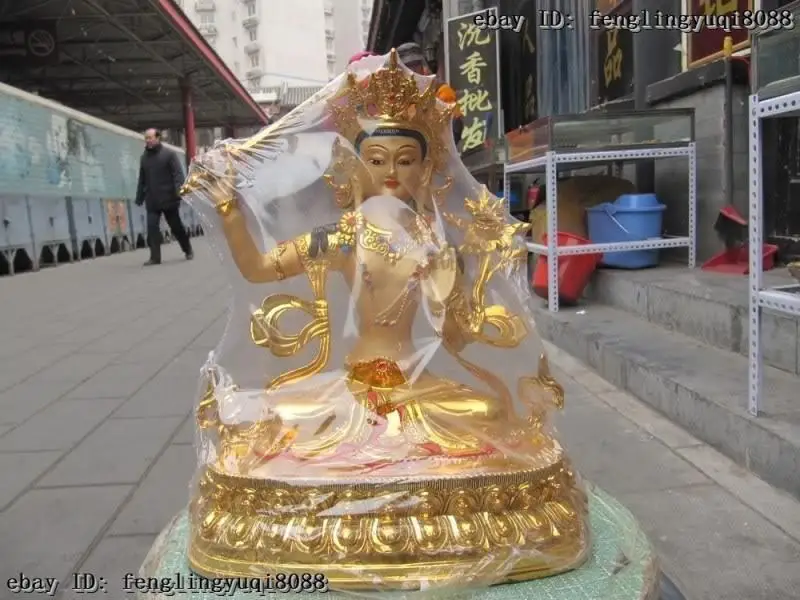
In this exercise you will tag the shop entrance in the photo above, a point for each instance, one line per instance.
(782, 186)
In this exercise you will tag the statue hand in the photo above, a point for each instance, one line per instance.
(441, 276)
(214, 175)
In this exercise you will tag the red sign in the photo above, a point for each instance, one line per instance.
(706, 44)
(117, 215)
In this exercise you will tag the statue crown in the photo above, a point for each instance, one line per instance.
(390, 98)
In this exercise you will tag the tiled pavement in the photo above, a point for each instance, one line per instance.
(98, 371)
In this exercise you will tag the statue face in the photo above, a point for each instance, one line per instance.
(396, 165)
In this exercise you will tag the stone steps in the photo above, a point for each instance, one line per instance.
(709, 307)
(699, 381)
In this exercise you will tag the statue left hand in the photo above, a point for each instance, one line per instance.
(441, 276)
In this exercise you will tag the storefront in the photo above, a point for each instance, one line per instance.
(718, 92)
(776, 72)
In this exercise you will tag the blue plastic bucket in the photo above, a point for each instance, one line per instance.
(632, 218)
(513, 201)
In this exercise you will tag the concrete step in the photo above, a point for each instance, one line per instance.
(701, 388)
(709, 307)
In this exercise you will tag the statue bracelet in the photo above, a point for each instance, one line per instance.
(225, 207)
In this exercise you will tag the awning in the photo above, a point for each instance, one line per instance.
(123, 61)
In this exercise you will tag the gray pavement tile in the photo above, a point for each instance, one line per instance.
(593, 382)
(85, 334)
(20, 469)
(720, 547)
(38, 350)
(162, 493)
(46, 532)
(648, 419)
(116, 381)
(127, 334)
(9, 377)
(152, 350)
(112, 559)
(773, 504)
(119, 451)
(211, 336)
(27, 398)
(612, 451)
(60, 426)
(20, 367)
(185, 434)
(170, 393)
(75, 368)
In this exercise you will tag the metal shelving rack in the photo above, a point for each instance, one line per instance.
(552, 160)
(775, 77)
(786, 298)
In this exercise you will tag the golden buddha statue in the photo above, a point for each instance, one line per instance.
(422, 457)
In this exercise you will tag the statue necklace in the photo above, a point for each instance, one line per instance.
(385, 244)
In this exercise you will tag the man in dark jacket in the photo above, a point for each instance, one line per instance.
(160, 179)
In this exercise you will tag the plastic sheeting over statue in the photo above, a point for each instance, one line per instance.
(377, 408)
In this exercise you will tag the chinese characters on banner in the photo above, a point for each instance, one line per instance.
(706, 44)
(473, 68)
(615, 64)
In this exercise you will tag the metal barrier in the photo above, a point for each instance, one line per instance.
(16, 234)
(67, 182)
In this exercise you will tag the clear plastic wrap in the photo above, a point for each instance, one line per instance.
(376, 412)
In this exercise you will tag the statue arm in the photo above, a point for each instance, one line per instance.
(256, 266)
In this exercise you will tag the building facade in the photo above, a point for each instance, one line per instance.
(269, 44)
(344, 31)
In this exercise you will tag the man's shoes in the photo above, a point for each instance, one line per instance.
(189, 255)
(151, 263)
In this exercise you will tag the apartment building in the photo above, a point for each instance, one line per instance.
(365, 17)
(346, 31)
(269, 43)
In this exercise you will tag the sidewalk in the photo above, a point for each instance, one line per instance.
(98, 372)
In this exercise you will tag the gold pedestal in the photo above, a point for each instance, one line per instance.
(392, 533)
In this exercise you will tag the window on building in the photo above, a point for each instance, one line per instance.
(329, 45)
(235, 42)
(236, 68)
(207, 18)
(253, 33)
(251, 9)
(254, 60)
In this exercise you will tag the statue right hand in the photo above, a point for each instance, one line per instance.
(214, 175)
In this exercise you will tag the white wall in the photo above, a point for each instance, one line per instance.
(290, 35)
(293, 36)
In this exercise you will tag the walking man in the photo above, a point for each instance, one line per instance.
(160, 179)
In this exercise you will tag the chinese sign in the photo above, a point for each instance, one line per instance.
(473, 72)
(28, 44)
(706, 44)
(615, 64)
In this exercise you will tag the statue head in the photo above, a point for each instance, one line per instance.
(395, 162)
(398, 132)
